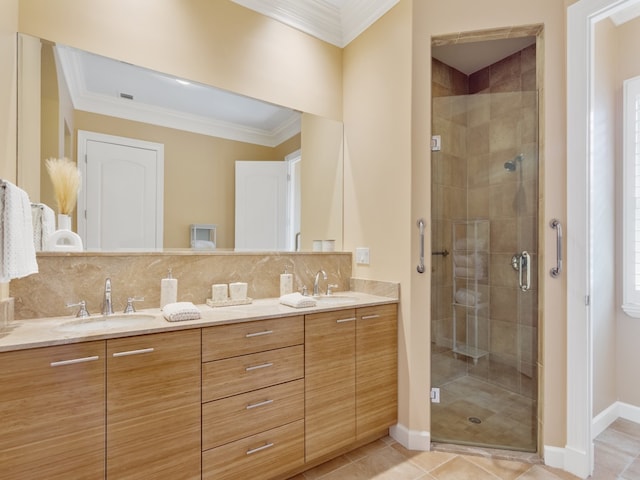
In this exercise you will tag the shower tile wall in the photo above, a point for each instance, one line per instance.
(479, 134)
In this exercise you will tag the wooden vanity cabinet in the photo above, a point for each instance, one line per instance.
(253, 399)
(52, 403)
(153, 406)
(330, 368)
(350, 377)
(376, 369)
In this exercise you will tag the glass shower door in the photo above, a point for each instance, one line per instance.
(484, 284)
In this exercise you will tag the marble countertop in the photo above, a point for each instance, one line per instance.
(44, 332)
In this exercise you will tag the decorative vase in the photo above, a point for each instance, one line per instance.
(63, 239)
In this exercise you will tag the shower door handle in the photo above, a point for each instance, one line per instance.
(522, 263)
(557, 226)
(421, 240)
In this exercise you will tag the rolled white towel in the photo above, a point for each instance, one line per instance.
(467, 297)
(180, 311)
(297, 300)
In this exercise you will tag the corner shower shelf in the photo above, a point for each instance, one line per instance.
(471, 288)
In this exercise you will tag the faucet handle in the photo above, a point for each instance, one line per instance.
(305, 292)
(130, 308)
(330, 287)
(82, 313)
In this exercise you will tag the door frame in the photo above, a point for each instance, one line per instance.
(85, 136)
(581, 19)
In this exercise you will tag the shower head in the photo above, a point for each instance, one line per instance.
(511, 165)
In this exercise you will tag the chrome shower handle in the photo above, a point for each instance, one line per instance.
(420, 224)
(525, 262)
(555, 271)
(522, 262)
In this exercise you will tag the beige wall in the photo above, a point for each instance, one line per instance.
(603, 191)
(8, 95)
(377, 213)
(628, 353)
(387, 124)
(214, 42)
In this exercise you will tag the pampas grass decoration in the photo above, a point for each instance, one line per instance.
(66, 183)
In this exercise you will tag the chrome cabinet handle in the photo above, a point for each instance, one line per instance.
(369, 317)
(421, 240)
(555, 271)
(344, 320)
(74, 361)
(258, 334)
(133, 352)
(259, 449)
(259, 404)
(257, 367)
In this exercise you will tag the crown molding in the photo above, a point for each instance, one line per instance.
(625, 15)
(322, 18)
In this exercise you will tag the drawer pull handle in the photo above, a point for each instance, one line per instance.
(259, 449)
(74, 361)
(258, 334)
(369, 317)
(133, 352)
(343, 320)
(257, 367)
(259, 404)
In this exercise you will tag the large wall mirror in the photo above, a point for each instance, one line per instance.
(203, 131)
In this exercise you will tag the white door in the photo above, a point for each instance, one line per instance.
(261, 205)
(122, 195)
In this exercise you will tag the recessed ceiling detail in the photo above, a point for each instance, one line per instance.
(335, 21)
(108, 87)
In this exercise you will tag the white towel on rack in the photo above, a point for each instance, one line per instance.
(44, 224)
(18, 251)
(467, 297)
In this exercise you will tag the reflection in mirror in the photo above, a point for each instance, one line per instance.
(82, 92)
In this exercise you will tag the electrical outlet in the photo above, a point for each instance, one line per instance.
(362, 256)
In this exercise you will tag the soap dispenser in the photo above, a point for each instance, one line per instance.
(168, 290)
(286, 283)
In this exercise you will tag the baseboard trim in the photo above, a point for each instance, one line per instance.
(610, 414)
(410, 439)
(554, 457)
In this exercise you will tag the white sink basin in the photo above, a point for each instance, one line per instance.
(330, 300)
(92, 324)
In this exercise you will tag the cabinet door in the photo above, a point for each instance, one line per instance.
(376, 369)
(52, 412)
(329, 382)
(153, 406)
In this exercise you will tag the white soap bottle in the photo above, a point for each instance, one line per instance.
(168, 290)
(286, 283)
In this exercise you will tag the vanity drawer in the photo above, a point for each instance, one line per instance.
(261, 456)
(226, 341)
(232, 376)
(233, 418)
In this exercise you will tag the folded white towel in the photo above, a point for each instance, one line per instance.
(470, 244)
(470, 260)
(297, 300)
(18, 257)
(179, 311)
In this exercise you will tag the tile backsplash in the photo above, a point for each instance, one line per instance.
(71, 277)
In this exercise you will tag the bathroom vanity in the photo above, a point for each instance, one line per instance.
(259, 391)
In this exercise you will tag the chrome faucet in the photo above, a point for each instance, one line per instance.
(107, 308)
(316, 289)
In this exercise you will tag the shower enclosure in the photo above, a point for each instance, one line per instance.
(485, 256)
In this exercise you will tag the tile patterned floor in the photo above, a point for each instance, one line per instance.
(507, 419)
(617, 452)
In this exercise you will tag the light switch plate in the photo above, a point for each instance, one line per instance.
(362, 256)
